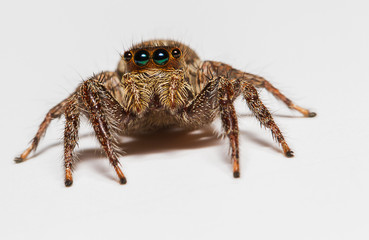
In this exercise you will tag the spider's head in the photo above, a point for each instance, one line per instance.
(157, 73)
(156, 56)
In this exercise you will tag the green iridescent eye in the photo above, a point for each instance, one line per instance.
(142, 58)
(161, 56)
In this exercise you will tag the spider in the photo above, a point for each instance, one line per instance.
(160, 84)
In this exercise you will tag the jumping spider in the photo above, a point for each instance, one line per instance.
(160, 84)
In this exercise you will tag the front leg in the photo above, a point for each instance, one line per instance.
(242, 85)
(105, 115)
(229, 120)
(94, 99)
(216, 98)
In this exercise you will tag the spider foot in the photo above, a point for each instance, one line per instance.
(68, 182)
(122, 180)
(24, 155)
(311, 114)
(236, 174)
(286, 150)
(289, 154)
(68, 177)
(19, 159)
(304, 111)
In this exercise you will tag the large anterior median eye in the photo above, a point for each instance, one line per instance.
(161, 56)
(142, 58)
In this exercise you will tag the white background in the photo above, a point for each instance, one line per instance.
(180, 184)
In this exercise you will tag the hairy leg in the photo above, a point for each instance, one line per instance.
(263, 115)
(229, 120)
(228, 87)
(242, 85)
(53, 113)
(203, 109)
(109, 79)
(216, 97)
(101, 117)
(260, 82)
(236, 76)
(72, 115)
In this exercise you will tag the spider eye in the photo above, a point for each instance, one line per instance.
(176, 53)
(127, 56)
(142, 58)
(161, 56)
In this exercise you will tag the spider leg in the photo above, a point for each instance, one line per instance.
(72, 115)
(229, 120)
(53, 113)
(263, 115)
(203, 109)
(243, 85)
(103, 111)
(217, 97)
(218, 68)
(260, 82)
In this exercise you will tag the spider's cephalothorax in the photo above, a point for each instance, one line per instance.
(160, 84)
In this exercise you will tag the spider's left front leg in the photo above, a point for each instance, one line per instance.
(244, 86)
(217, 97)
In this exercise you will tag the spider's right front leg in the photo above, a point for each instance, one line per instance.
(236, 86)
(93, 94)
(104, 113)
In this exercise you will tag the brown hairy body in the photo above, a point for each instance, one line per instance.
(161, 84)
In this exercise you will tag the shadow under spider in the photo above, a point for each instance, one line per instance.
(163, 141)
(156, 142)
